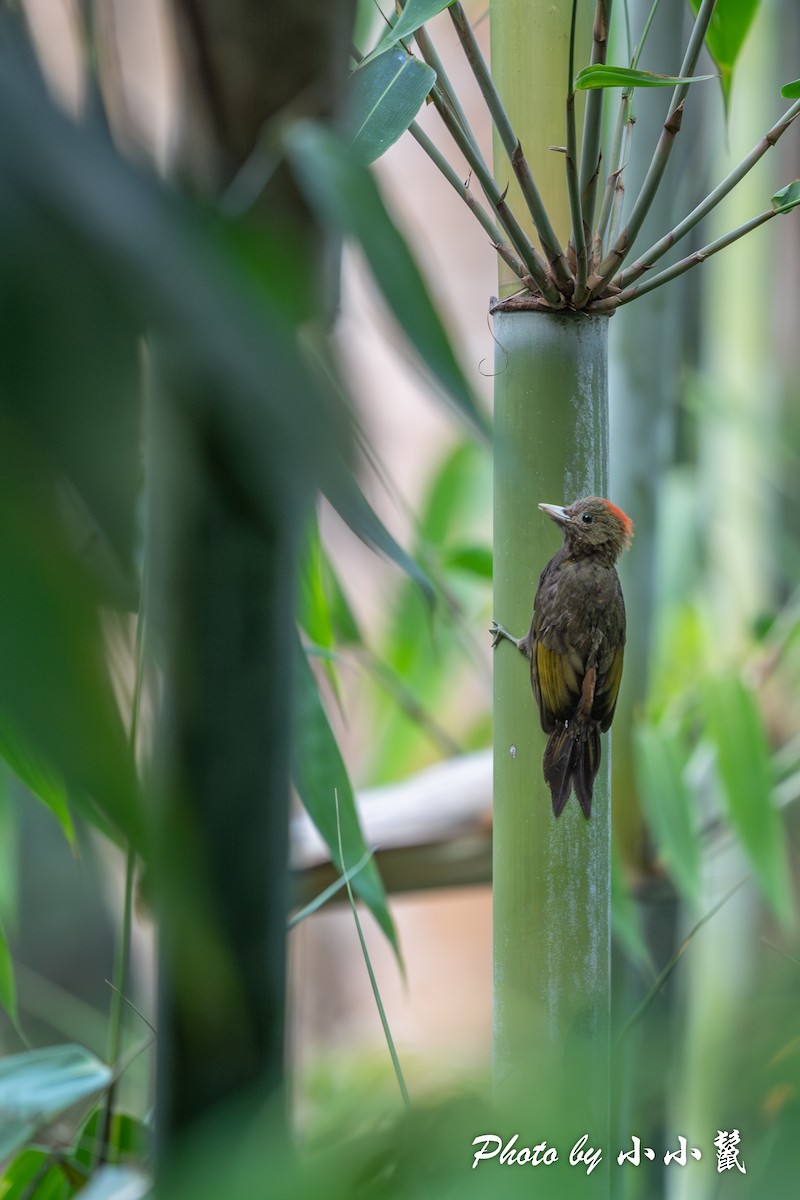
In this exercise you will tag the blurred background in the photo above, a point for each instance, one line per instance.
(705, 423)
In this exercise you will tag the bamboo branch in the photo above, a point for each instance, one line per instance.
(618, 154)
(534, 263)
(455, 181)
(428, 52)
(591, 153)
(573, 185)
(511, 144)
(624, 242)
(692, 260)
(651, 256)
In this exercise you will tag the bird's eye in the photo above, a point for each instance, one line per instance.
(587, 518)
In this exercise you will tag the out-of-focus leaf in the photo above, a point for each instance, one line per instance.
(38, 1085)
(414, 15)
(726, 34)
(117, 1183)
(385, 96)
(34, 1175)
(56, 699)
(745, 772)
(70, 377)
(354, 508)
(624, 918)
(626, 77)
(8, 990)
(343, 193)
(39, 779)
(319, 774)
(475, 560)
(791, 91)
(128, 1137)
(668, 805)
(787, 198)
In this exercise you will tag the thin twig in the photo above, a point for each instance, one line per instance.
(398, 1070)
(686, 264)
(573, 185)
(511, 144)
(651, 256)
(667, 971)
(456, 182)
(591, 152)
(428, 52)
(625, 122)
(644, 200)
(619, 183)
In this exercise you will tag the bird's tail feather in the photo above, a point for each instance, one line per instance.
(572, 759)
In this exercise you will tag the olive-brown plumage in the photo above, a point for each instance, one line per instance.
(576, 643)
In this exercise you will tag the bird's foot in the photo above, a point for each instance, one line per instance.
(500, 633)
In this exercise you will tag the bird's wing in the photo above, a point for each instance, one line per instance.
(556, 684)
(607, 689)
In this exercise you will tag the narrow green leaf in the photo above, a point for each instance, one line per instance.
(669, 807)
(727, 30)
(787, 198)
(745, 772)
(625, 77)
(385, 96)
(40, 779)
(38, 1085)
(35, 1169)
(319, 772)
(354, 508)
(625, 919)
(791, 91)
(415, 14)
(343, 193)
(8, 990)
(329, 892)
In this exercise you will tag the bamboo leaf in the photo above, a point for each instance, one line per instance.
(745, 772)
(791, 91)
(38, 1085)
(625, 77)
(34, 1174)
(39, 778)
(625, 919)
(386, 94)
(726, 35)
(343, 193)
(669, 805)
(354, 508)
(787, 198)
(415, 14)
(319, 773)
(8, 990)
(329, 892)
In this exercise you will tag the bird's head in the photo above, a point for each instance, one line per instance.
(593, 526)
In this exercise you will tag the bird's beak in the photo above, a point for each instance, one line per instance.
(556, 513)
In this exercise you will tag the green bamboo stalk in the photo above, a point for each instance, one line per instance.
(641, 207)
(457, 183)
(656, 251)
(513, 148)
(529, 63)
(551, 877)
